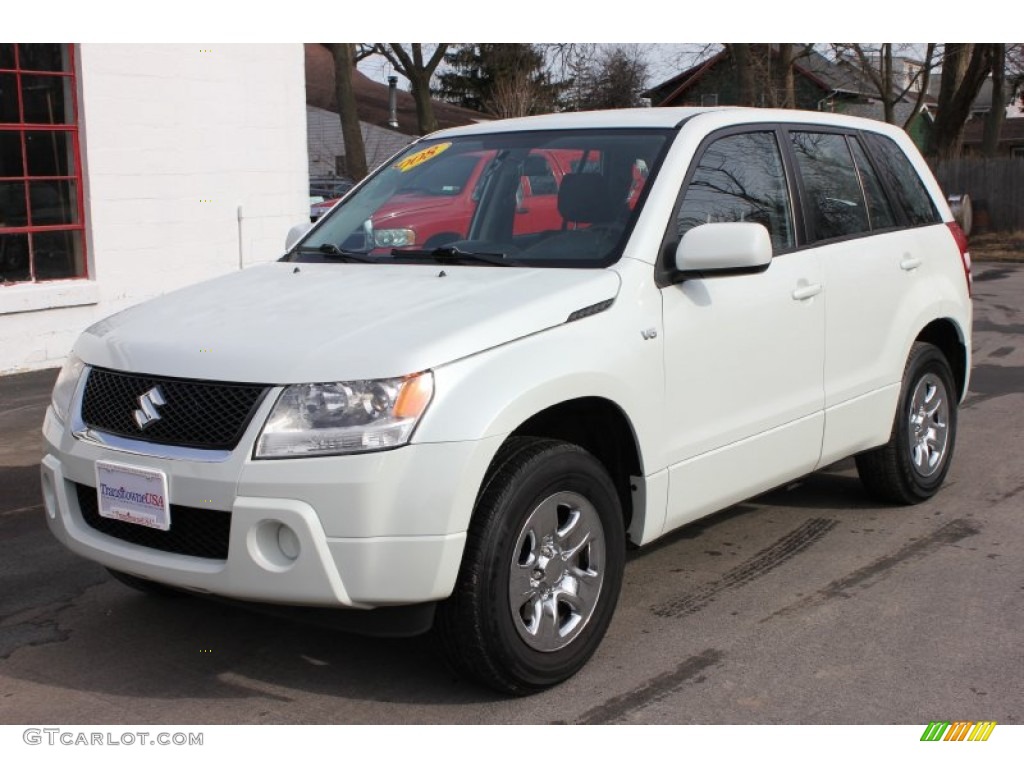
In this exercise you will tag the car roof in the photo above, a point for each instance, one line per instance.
(662, 117)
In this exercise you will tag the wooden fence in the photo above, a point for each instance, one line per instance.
(996, 187)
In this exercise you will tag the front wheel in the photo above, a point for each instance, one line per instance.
(541, 572)
(912, 465)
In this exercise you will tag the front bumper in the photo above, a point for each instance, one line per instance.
(379, 529)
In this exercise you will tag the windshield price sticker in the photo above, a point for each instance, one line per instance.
(421, 157)
(133, 495)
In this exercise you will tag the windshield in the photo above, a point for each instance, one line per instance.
(447, 175)
(545, 198)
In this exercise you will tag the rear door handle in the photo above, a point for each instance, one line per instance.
(804, 292)
(910, 263)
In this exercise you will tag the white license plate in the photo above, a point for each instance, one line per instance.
(133, 495)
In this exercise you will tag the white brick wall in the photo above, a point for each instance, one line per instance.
(166, 128)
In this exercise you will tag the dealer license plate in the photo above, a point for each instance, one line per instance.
(133, 495)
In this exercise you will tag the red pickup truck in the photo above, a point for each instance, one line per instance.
(439, 204)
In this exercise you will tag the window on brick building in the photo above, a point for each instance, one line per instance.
(42, 229)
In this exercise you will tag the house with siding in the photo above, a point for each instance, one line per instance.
(1011, 137)
(820, 84)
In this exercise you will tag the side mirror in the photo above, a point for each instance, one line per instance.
(295, 234)
(725, 247)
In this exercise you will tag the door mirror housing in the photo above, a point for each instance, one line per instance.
(725, 248)
(295, 234)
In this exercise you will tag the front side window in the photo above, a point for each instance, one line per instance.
(740, 178)
(540, 198)
(832, 187)
(41, 216)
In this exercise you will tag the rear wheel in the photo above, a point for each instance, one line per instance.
(912, 465)
(541, 572)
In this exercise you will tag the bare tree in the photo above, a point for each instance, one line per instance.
(344, 64)
(764, 72)
(575, 67)
(565, 60)
(505, 79)
(779, 78)
(997, 111)
(514, 95)
(787, 57)
(964, 69)
(743, 61)
(1015, 70)
(418, 71)
(876, 66)
(615, 79)
(568, 65)
(691, 55)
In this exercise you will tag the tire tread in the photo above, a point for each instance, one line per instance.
(459, 626)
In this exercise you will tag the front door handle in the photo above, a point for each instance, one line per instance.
(910, 263)
(804, 292)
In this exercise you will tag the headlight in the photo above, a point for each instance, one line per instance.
(344, 417)
(394, 238)
(64, 389)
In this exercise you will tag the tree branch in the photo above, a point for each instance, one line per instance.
(924, 75)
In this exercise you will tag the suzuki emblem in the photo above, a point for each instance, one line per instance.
(147, 412)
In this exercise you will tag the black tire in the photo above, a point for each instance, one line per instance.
(910, 467)
(509, 643)
(145, 586)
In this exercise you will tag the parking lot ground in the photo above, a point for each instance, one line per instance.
(810, 604)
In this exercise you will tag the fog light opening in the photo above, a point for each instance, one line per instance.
(274, 545)
(49, 497)
(288, 542)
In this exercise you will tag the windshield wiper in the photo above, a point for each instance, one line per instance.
(452, 254)
(330, 249)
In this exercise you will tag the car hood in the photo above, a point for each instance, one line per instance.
(285, 323)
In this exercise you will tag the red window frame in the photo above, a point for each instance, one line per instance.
(69, 127)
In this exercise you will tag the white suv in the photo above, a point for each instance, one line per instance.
(646, 316)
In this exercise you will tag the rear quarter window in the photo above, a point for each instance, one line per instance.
(903, 180)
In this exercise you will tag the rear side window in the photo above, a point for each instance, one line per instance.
(740, 178)
(898, 172)
(832, 187)
(879, 209)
